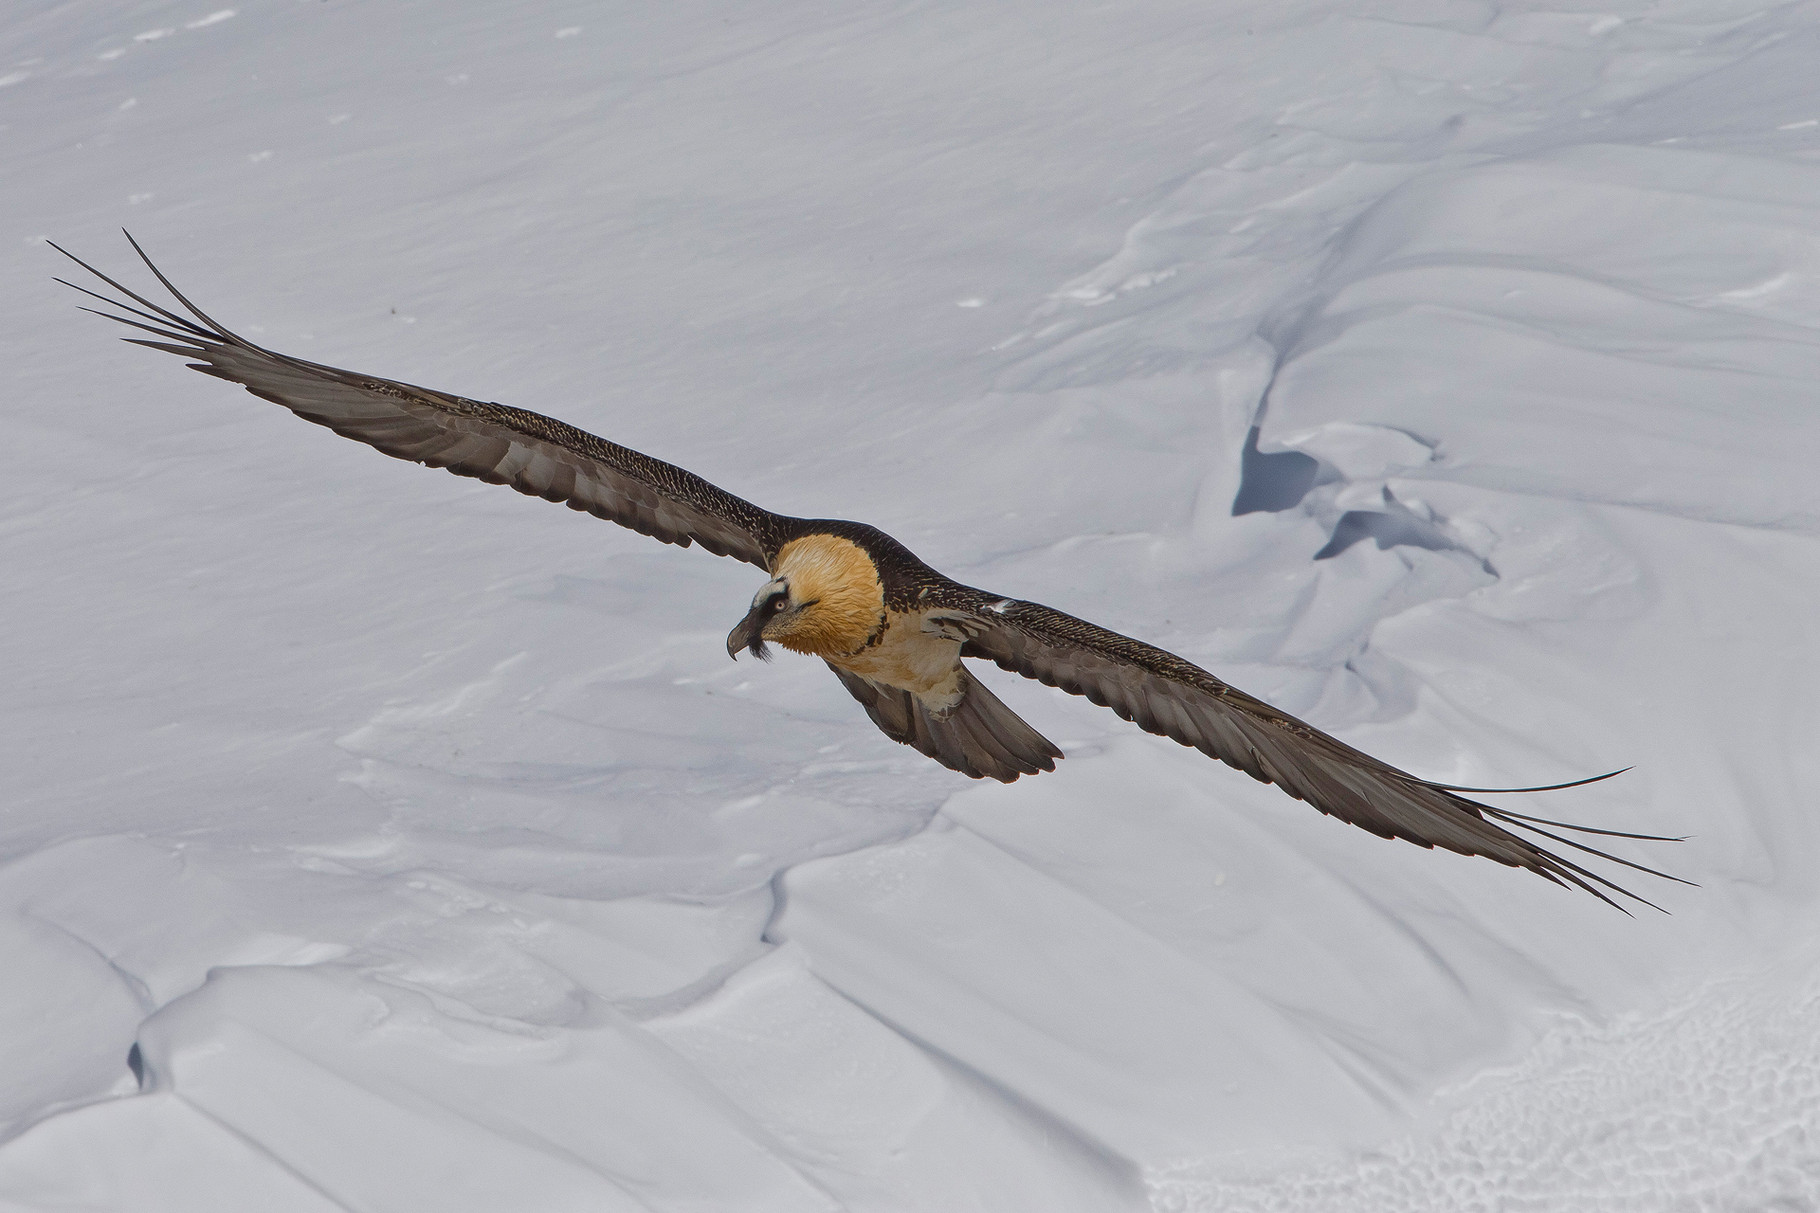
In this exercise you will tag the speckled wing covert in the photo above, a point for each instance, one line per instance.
(1163, 694)
(536, 455)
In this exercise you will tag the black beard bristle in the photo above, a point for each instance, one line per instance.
(757, 649)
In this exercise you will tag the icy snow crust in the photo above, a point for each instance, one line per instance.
(377, 840)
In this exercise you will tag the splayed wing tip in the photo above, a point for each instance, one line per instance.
(1547, 787)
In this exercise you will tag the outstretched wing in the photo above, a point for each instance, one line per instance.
(534, 454)
(1164, 694)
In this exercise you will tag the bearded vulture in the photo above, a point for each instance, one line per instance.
(893, 630)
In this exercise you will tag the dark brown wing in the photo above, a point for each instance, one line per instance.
(534, 454)
(1164, 694)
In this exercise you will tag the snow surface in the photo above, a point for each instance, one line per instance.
(376, 840)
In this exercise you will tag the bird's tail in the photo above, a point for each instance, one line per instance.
(979, 736)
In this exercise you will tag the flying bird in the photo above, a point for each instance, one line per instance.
(893, 630)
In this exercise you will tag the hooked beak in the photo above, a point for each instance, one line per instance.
(750, 636)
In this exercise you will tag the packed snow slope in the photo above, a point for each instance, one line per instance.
(1445, 371)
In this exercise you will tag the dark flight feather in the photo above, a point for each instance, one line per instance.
(537, 455)
(1166, 695)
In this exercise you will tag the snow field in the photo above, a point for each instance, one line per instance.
(420, 848)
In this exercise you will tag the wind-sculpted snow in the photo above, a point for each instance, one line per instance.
(1603, 370)
(1444, 373)
(1708, 1103)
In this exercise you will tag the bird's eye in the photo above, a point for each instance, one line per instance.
(779, 603)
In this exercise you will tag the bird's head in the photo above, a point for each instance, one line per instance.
(826, 600)
(771, 618)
